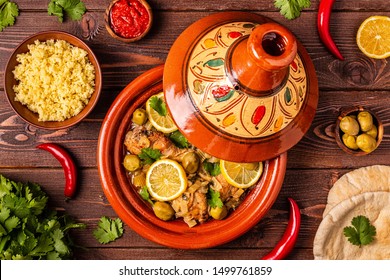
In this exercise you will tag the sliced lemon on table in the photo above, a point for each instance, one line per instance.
(373, 37)
(166, 180)
(241, 175)
(162, 120)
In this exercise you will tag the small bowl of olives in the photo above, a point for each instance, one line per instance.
(359, 131)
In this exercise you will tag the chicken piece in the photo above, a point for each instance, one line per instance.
(166, 146)
(230, 195)
(192, 206)
(136, 140)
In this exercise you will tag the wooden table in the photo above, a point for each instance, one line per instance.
(314, 164)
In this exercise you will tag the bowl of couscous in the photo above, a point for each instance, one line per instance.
(52, 80)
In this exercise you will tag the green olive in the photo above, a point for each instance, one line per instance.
(350, 141)
(131, 162)
(163, 210)
(373, 132)
(139, 116)
(349, 125)
(366, 143)
(365, 121)
(190, 162)
(218, 213)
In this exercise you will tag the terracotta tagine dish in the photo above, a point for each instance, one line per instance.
(247, 85)
(240, 89)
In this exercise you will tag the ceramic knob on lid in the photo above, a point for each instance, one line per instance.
(240, 87)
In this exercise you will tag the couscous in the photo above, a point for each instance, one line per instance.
(54, 79)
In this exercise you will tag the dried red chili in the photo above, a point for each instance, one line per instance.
(67, 164)
(323, 17)
(289, 238)
(129, 18)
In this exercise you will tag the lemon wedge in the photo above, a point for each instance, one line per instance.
(166, 180)
(162, 123)
(241, 175)
(373, 37)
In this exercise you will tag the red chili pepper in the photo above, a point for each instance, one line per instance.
(324, 11)
(289, 238)
(68, 165)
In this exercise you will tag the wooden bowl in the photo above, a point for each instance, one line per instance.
(110, 30)
(137, 213)
(22, 110)
(355, 111)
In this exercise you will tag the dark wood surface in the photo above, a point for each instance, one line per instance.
(314, 164)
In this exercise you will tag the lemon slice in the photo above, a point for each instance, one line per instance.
(241, 175)
(165, 123)
(166, 180)
(373, 37)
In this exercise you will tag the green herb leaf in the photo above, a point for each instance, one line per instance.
(108, 230)
(214, 199)
(145, 195)
(149, 155)
(179, 140)
(8, 13)
(158, 105)
(212, 168)
(361, 232)
(28, 228)
(74, 9)
(291, 9)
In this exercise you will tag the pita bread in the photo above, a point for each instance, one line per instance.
(330, 242)
(370, 178)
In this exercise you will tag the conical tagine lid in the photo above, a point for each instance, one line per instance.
(240, 87)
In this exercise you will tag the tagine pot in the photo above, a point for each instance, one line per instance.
(240, 86)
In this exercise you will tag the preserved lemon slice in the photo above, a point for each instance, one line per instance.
(373, 37)
(241, 175)
(166, 180)
(162, 123)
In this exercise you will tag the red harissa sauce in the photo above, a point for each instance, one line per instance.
(129, 18)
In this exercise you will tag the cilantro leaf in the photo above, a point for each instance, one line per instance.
(214, 199)
(178, 139)
(145, 195)
(28, 228)
(8, 13)
(361, 232)
(149, 155)
(108, 230)
(158, 105)
(291, 9)
(212, 168)
(74, 9)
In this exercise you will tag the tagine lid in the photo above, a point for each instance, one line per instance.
(240, 86)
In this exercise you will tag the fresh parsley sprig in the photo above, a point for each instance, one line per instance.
(158, 105)
(361, 232)
(149, 155)
(291, 9)
(74, 9)
(8, 13)
(214, 199)
(108, 230)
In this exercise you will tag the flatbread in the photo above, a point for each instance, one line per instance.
(364, 179)
(330, 242)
